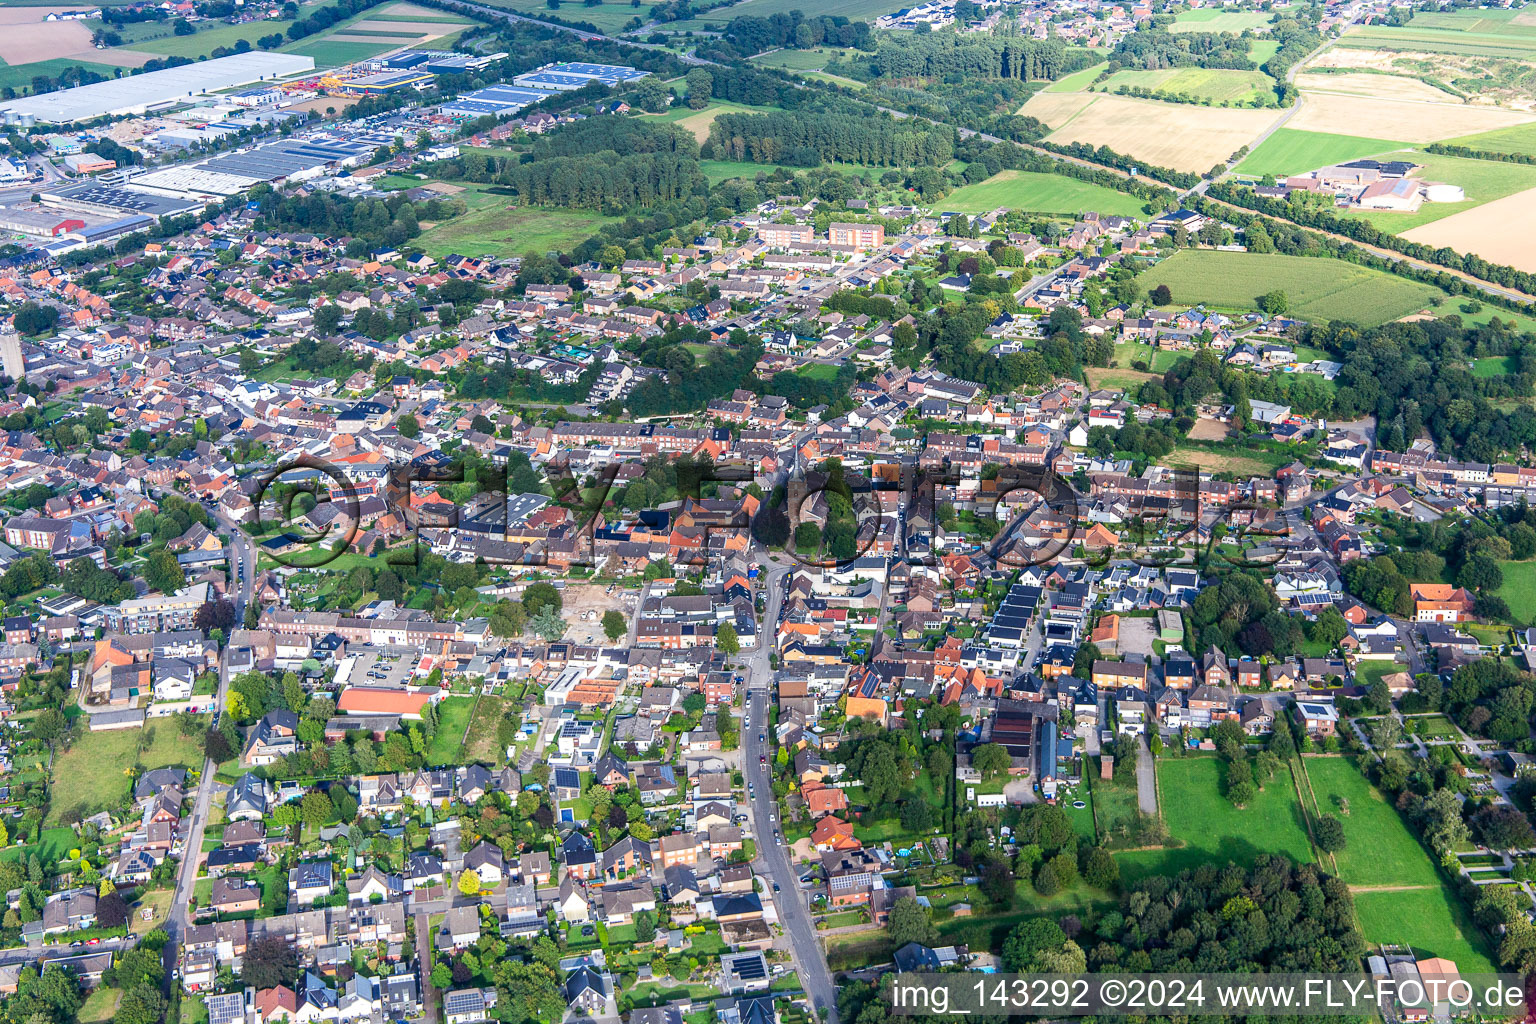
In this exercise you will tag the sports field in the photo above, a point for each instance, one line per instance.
(1199, 815)
(1289, 151)
(1214, 84)
(1318, 289)
(1214, 19)
(1040, 193)
(1379, 849)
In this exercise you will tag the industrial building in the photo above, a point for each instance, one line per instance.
(495, 100)
(138, 94)
(575, 74)
(274, 162)
(437, 62)
(88, 163)
(389, 81)
(93, 198)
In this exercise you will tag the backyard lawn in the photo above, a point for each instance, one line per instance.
(1429, 920)
(452, 719)
(99, 767)
(1379, 850)
(1212, 830)
(1519, 590)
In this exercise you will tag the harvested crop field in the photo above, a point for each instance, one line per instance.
(28, 39)
(1177, 135)
(1390, 87)
(1057, 108)
(1410, 120)
(1499, 232)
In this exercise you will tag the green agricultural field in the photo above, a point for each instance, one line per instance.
(1379, 849)
(1519, 139)
(1262, 50)
(609, 17)
(1318, 289)
(1519, 590)
(1041, 193)
(200, 44)
(854, 10)
(1484, 22)
(19, 76)
(1077, 81)
(799, 60)
(1290, 151)
(1429, 40)
(1200, 816)
(1482, 180)
(1214, 84)
(330, 54)
(1429, 920)
(1214, 19)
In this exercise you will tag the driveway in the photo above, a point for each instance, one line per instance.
(1146, 778)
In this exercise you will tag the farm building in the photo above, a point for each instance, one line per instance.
(1391, 194)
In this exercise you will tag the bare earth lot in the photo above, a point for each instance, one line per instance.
(1177, 135)
(578, 600)
(1408, 120)
(1500, 231)
(1390, 87)
(26, 38)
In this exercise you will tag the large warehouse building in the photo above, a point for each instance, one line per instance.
(295, 159)
(496, 100)
(574, 75)
(138, 94)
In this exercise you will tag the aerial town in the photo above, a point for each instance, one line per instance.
(690, 514)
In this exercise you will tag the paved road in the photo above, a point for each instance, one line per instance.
(424, 965)
(1146, 778)
(773, 859)
(242, 560)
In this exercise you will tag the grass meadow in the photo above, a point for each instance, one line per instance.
(1318, 289)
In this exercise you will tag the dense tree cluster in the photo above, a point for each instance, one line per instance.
(748, 34)
(808, 138)
(942, 54)
(1157, 48)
